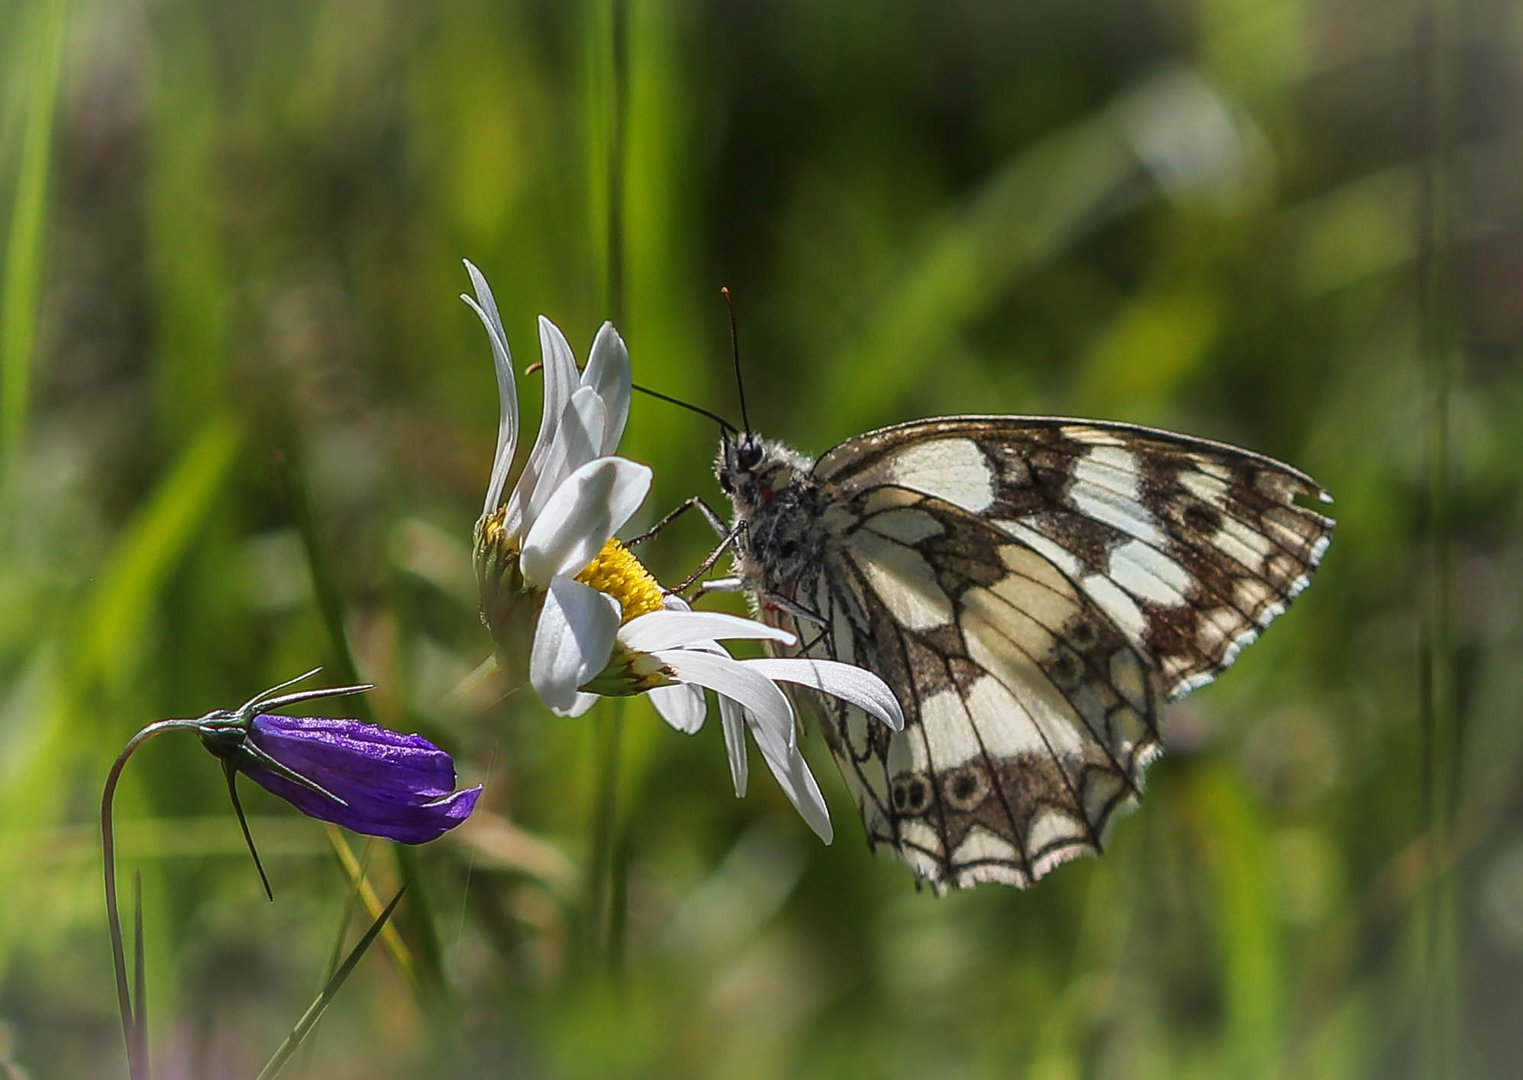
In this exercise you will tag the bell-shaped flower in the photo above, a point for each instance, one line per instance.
(358, 775)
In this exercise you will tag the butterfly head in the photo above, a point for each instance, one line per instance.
(751, 470)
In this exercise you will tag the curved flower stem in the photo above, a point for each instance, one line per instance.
(132, 1032)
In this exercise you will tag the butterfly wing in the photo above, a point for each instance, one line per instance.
(1032, 588)
(1191, 547)
(1029, 716)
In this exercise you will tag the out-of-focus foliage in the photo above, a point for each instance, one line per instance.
(233, 236)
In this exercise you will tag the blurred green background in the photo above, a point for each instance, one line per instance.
(246, 427)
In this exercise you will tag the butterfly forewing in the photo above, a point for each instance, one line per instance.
(1190, 546)
(1031, 589)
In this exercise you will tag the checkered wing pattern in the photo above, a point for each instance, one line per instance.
(1032, 589)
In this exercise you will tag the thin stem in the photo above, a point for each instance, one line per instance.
(605, 885)
(139, 973)
(325, 997)
(26, 243)
(608, 727)
(356, 872)
(137, 1047)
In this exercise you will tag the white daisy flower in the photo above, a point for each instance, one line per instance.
(573, 492)
(601, 623)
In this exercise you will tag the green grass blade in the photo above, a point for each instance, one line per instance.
(325, 997)
(25, 249)
(134, 579)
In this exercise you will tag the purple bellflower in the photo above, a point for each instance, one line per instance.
(358, 775)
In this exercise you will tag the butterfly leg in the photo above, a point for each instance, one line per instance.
(712, 557)
(715, 522)
(695, 503)
(798, 611)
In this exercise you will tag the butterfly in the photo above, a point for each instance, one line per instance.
(1033, 589)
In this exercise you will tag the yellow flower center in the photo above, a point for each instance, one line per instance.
(492, 527)
(618, 573)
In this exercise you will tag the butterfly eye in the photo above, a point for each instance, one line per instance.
(748, 455)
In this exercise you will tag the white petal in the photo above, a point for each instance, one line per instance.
(675, 629)
(793, 776)
(586, 509)
(485, 308)
(851, 684)
(682, 706)
(608, 373)
(576, 441)
(572, 642)
(729, 677)
(732, 717)
(561, 380)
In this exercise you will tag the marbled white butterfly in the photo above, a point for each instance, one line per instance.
(1032, 589)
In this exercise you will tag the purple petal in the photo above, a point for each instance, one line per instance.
(349, 752)
(392, 785)
(407, 823)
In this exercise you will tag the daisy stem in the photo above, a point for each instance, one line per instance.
(605, 901)
(606, 892)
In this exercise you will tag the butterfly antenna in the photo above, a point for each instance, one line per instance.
(724, 425)
(740, 384)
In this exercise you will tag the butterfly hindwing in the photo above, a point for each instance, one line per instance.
(1029, 717)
